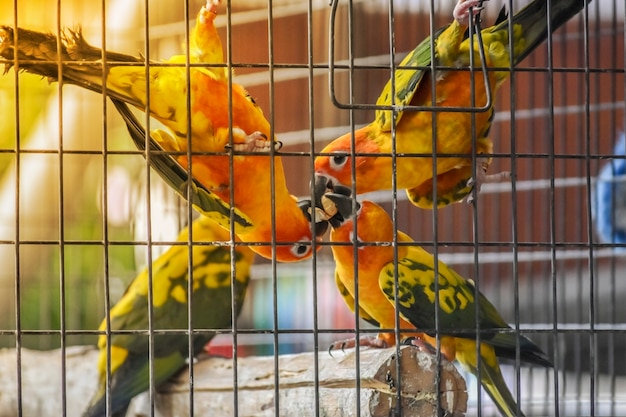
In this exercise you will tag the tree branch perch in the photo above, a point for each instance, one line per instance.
(213, 385)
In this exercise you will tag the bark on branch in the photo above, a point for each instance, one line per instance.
(336, 393)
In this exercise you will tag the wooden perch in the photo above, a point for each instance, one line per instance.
(213, 385)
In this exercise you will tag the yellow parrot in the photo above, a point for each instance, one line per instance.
(371, 145)
(212, 309)
(207, 137)
(415, 296)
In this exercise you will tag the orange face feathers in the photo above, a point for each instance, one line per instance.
(336, 158)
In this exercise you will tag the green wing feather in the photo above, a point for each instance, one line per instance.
(457, 306)
(179, 179)
(416, 297)
(406, 83)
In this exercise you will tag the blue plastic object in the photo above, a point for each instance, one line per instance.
(610, 195)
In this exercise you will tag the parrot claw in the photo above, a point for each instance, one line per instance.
(420, 344)
(481, 178)
(212, 5)
(209, 11)
(367, 341)
(461, 11)
(255, 142)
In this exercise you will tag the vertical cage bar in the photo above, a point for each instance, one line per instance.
(352, 116)
(613, 320)
(314, 269)
(231, 178)
(105, 212)
(149, 242)
(189, 210)
(592, 279)
(552, 197)
(18, 281)
(514, 212)
(274, 243)
(435, 213)
(62, 318)
(592, 265)
(474, 33)
(394, 204)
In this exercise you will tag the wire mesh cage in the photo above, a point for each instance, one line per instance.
(84, 209)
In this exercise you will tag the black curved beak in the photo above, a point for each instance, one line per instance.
(344, 206)
(321, 224)
(334, 200)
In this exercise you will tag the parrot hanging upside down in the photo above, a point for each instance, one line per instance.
(453, 174)
(205, 129)
(212, 309)
(415, 290)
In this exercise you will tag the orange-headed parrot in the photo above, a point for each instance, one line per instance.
(204, 129)
(411, 288)
(371, 145)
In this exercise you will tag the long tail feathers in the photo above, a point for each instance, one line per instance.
(40, 54)
(493, 382)
(99, 410)
(490, 375)
(504, 347)
(98, 406)
(533, 19)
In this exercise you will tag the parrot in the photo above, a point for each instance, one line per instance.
(371, 146)
(250, 154)
(371, 230)
(201, 198)
(213, 285)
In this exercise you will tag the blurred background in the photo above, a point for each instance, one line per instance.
(530, 245)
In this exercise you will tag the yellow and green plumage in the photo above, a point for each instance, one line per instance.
(371, 145)
(212, 309)
(457, 300)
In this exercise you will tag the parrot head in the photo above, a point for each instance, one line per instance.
(372, 171)
(316, 216)
(373, 222)
(373, 236)
(373, 225)
(294, 243)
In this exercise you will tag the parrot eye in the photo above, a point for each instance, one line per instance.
(300, 250)
(338, 161)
